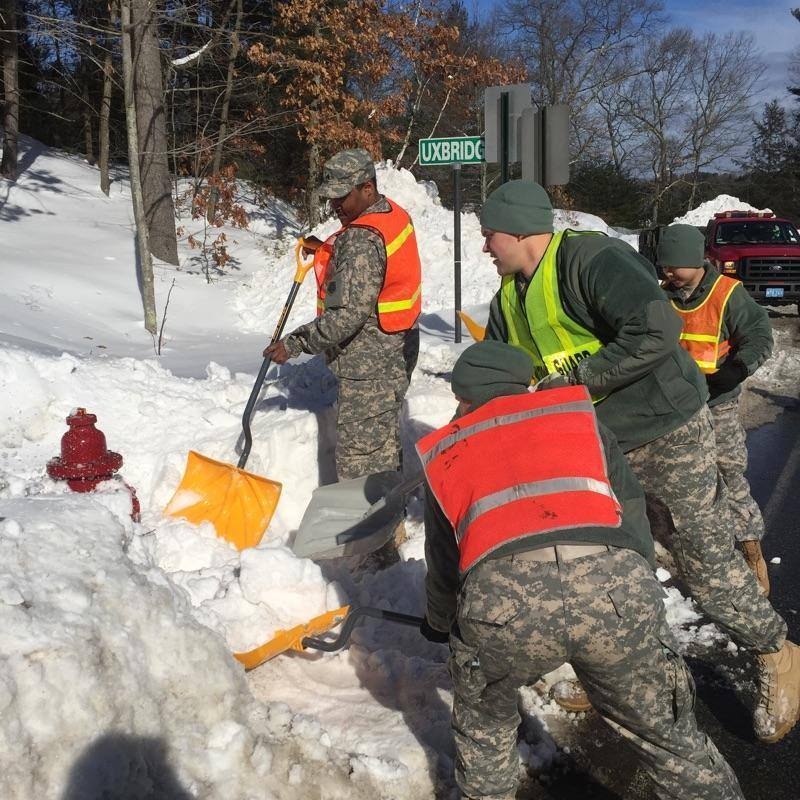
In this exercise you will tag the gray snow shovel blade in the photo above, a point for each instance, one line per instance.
(353, 517)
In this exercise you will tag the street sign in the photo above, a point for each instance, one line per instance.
(452, 150)
(544, 145)
(517, 99)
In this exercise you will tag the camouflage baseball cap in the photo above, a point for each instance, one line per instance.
(346, 170)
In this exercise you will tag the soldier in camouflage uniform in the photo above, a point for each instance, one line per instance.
(584, 594)
(373, 366)
(589, 311)
(720, 307)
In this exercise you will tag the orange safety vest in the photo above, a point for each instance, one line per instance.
(702, 326)
(400, 299)
(519, 466)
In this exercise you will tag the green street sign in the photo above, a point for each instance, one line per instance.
(454, 150)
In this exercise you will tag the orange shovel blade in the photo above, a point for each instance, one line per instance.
(291, 639)
(237, 503)
(476, 331)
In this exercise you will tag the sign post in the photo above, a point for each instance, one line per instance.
(456, 151)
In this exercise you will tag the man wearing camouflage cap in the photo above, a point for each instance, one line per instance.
(589, 310)
(539, 551)
(368, 301)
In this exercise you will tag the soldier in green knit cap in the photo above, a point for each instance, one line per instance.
(589, 310)
(729, 336)
(539, 551)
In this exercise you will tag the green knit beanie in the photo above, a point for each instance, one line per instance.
(489, 369)
(681, 246)
(518, 207)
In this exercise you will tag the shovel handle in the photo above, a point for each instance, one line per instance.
(351, 620)
(299, 275)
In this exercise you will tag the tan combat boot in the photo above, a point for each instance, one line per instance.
(400, 535)
(571, 696)
(779, 693)
(751, 550)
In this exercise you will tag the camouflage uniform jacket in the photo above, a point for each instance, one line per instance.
(441, 551)
(650, 384)
(745, 324)
(347, 332)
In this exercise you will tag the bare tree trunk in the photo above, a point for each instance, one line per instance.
(438, 120)
(142, 235)
(411, 122)
(151, 125)
(226, 104)
(312, 192)
(314, 156)
(197, 149)
(693, 194)
(87, 122)
(105, 115)
(8, 43)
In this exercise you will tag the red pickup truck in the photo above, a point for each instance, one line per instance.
(761, 250)
(758, 248)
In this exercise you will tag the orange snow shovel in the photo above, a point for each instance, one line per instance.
(302, 637)
(476, 331)
(238, 503)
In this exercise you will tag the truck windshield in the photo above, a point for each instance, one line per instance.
(760, 232)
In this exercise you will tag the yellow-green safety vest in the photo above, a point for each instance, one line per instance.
(541, 327)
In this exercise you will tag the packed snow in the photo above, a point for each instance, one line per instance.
(705, 211)
(116, 636)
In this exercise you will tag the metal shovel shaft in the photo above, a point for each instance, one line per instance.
(300, 273)
(353, 618)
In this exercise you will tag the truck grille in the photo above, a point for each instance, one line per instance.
(777, 269)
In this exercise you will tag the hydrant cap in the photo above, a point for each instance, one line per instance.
(80, 417)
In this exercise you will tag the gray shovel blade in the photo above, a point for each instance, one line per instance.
(353, 517)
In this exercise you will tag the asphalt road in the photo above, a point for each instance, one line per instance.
(765, 772)
(726, 684)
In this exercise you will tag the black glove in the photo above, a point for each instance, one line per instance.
(432, 635)
(727, 377)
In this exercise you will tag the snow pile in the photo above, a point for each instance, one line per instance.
(97, 701)
(75, 657)
(781, 372)
(705, 211)
(154, 418)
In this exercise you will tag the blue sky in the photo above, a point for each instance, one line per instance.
(775, 30)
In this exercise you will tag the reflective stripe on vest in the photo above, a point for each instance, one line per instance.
(541, 326)
(520, 466)
(702, 326)
(400, 299)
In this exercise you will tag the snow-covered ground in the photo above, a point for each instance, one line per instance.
(115, 636)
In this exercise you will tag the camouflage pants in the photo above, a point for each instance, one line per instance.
(732, 462)
(368, 426)
(680, 469)
(519, 619)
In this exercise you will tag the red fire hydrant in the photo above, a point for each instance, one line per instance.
(85, 461)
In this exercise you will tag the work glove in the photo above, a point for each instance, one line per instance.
(727, 377)
(432, 635)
